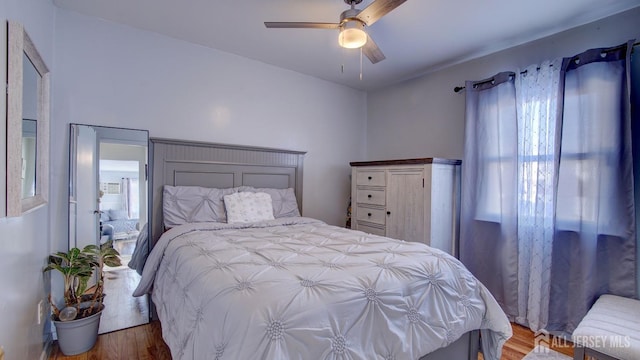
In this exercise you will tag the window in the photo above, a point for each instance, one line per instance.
(110, 188)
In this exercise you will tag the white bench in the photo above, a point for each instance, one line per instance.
(610, 330)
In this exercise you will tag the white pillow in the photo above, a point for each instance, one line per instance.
(243, 207)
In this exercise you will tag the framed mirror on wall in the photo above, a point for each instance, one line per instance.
(27, 124)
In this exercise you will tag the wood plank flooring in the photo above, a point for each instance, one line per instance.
(145, 342)
(142, 342)
(522, 342)
(121, 309)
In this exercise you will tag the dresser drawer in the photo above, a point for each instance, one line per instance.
(376, 216)
(374, 197)
(371, 178)
(371, 230)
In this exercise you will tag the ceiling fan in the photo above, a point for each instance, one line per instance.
(351, 26)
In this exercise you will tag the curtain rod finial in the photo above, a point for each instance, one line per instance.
(458, 88)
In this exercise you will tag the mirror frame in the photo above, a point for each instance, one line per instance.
(19, 44)
(127, 139)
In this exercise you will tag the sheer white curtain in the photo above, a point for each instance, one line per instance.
(537, 96)
(124, 184)
(131, 197)
(134, 199)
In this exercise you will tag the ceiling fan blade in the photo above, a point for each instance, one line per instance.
(372, 51)
(300, 25)
(378, 9)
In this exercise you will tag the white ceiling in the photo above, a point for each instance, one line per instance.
(418, 37)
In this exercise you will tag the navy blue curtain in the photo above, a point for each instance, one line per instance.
(594, 246)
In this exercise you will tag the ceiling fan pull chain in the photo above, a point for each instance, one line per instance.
(360, 64)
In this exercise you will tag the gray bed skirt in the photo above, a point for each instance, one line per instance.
(466, 347)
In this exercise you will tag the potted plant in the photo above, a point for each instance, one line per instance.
(77, 322)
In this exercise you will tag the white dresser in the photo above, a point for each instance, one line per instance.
(410, 199)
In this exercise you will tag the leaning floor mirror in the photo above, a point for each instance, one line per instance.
(27, 124)
(108, 194)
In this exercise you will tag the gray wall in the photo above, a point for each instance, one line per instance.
(114, 75)
(423, 117)
(24, 241)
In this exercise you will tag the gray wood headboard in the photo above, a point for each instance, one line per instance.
(188, 163)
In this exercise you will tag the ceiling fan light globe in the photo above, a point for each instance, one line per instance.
(352, 36)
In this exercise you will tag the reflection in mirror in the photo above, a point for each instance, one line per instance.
(30, 79)
(29, 136)
(27, 124)
(108, 202)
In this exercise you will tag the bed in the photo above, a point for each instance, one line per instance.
(290, 287)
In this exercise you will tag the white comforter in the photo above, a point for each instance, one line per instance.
(297, 288)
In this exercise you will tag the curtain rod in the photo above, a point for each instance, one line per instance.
(460, 88)
(457, 89)
(489, 80)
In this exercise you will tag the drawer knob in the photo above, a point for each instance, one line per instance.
(369, 196)
(388, 212)
(369, 214)
(370, 178)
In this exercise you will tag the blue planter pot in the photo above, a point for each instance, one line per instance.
(78, 336)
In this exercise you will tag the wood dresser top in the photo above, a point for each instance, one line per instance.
(418, 161)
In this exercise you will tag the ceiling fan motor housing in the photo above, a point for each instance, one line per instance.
(350, 15)
(352, 34)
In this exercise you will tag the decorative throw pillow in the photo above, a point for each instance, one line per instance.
(243, 207)
(104, 215)
(191, 204)
(118, 214)
(283, 200)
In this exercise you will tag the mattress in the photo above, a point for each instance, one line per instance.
(297, 288)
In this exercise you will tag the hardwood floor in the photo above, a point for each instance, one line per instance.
(122, 310)
(142, 342)
(522, 342)
(145, 342)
